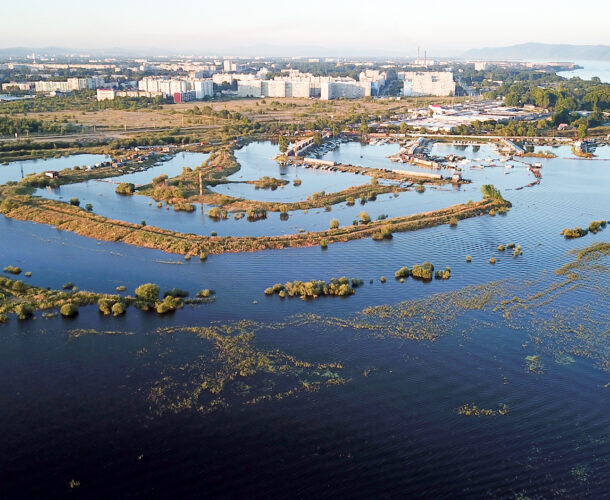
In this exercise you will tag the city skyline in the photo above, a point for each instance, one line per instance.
(279, 29)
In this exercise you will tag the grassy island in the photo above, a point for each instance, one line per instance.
(80, 221)
(23, 300)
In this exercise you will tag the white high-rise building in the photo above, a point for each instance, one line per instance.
(420, 83)
(346, 89)
(203, 88)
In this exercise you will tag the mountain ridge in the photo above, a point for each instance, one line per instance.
(533, 50)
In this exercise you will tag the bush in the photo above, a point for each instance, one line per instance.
(104, 306)
(403, 272)
(69, 310)
(12, 270)
(75, 202)
(468, 258)
(424, 272)
(149, 292)
(501, 248)
(202, 256)
(313, 289)
(296, 182)
(89, 207)
(489, 191)
(492, 261)
(118, 309)
(256, 213)
(365, 218)
(382, 279)
(68, 286)
(18, 286)
(24, 311)
(350, 200)
(125, 188)
(453, 222)
(184, 207)
(443, 275)
(205, 293)
(334, 223)
(214, 213)
(159, 180)
(386, 231)
(576, 232)
(162, 308)
(324, 243)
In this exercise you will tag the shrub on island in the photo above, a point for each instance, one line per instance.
(313, 289)
(125, 188)
(69, 310)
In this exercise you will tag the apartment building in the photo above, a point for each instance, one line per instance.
(70, 84)
(434, 83)
(345, 89)
(171, 86)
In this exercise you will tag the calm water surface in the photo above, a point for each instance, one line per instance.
(16, 170)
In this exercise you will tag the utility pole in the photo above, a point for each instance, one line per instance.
(201, 192)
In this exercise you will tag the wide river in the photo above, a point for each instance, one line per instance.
(490, 384)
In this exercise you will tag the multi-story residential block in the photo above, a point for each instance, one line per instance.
(435, 83)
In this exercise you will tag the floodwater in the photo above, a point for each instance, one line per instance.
(255, 161)
(125, 407)
(16, 170)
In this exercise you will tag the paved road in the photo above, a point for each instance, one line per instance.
(105, 134)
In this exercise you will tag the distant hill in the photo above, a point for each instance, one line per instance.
(554, 52)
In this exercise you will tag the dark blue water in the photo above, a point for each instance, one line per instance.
(80, 408)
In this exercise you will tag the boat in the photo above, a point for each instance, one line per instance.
(508, 166)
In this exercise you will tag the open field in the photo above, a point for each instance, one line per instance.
(264, 110)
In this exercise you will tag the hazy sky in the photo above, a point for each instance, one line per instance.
(328, 27)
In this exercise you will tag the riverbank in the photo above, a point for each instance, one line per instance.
(71, 218)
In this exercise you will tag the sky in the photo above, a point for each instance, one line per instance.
(310, 27)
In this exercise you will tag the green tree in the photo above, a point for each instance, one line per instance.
(283, 144)
(582, 131)
(364, 127)
(317, 138)
(148, 292)
(334, 223)
(403, 128)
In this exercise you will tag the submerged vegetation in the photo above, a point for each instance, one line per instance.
(313, 289)
(23, 300)
(472, 410)
(268, 183)
(578, 232)
(424, 271)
